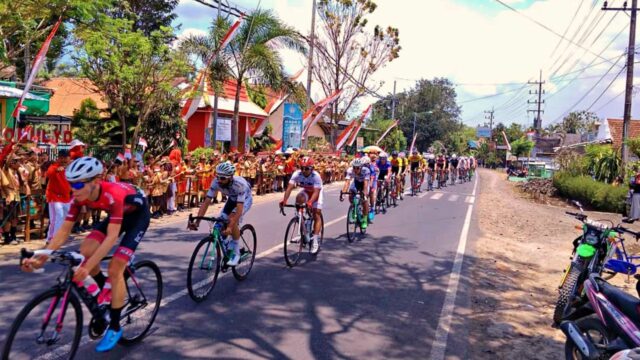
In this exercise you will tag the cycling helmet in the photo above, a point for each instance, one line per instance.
(454, 156)
(431, 156)
(415, 152)
(225, 169)
(306, 161)
(383, 155)
(84, 168)
(357, 162)
(394, 153)
(365, 160)
(402, 155)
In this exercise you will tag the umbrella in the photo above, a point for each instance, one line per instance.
(372, 148)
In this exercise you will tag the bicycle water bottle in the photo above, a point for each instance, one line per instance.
(89, 283)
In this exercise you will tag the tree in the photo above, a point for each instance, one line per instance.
(347, 56)
(395, 139)
(579, 122)
(133, 71)
(162, 124)
(514, 132)
(148, 15)
(458, 141)
(90, 127)
(522, 147)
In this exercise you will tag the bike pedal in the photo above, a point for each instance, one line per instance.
(224, 268)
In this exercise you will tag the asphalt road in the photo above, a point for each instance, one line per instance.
(378, 298)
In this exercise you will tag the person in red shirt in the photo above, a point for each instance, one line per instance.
(76, 149)
(58, 193)
(175, 155)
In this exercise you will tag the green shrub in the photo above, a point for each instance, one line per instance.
(202, 151)
(590, 192)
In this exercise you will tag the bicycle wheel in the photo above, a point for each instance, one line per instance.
(144, 295)
(353, 223)
(292, 243)
(204, 268)
(30, 338)
(247, 243)
(387, 197)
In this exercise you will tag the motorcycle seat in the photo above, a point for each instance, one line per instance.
(627, 303)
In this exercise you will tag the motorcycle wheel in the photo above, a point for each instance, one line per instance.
(568, 291)
(593, 329)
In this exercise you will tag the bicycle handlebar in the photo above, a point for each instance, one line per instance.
(631, 232)
(75, 258)
(207, 218)
(303, 206)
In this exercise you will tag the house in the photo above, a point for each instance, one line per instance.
(612, 129)
(36, 102)
(68, 94)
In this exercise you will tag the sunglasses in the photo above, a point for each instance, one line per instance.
(307, 168)
(224, 178)
(78, 185)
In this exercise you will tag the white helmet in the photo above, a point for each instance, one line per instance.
(356, 162)
(225, 169)
(431, 156)
(365, 160)
(83, 168)
(454, 156)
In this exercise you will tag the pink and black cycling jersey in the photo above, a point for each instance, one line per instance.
(117, 199)
(308, 183)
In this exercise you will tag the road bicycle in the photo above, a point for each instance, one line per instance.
(415, 182)
(382, 198)
(50, 325)
(298, 237)
(355, 215)
(393, 193)
(454, 176)
(212, 254)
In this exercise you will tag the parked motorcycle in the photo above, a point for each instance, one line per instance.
(591, 250)
(609, 322)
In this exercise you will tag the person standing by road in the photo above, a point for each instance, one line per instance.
(58, 193)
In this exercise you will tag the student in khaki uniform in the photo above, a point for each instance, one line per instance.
(12, 183)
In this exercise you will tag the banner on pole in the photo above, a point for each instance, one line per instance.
(292, 126)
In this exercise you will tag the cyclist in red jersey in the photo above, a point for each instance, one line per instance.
(128, 213)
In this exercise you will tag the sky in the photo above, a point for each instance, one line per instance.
(487, 50)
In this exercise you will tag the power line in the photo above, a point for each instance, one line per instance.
(224, 6)
(575, 14)
(610, 101)
(608, 86)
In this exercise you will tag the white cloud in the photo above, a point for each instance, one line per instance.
(187, 33)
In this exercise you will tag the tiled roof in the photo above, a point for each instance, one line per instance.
(615, 126)
(69, 93)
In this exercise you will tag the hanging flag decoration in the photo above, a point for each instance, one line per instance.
(363, 118)
(200, 87)
(393, 125)
(413, 142)
(35, 68)
(24, 133)
(308, 119)
(120, 157)
(344, 135)
(142, 142)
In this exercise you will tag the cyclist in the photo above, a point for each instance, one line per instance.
(358, 179)
(472, 166)
(128, 213)
(453, 168)
(384, 173)
(397, 168)
(464, 168)
(370, 161)
(431, 169)
(441, 162)
(415, 160)
(239, 200)
(311, 194)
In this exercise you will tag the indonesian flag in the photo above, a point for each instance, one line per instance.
(120, 157)
(344, 135)
(363, 118)
(413, 142)
(199, 90)
(52, 143)
(200, 86)
(24, 133)
(34, 138)
(142, 142)
(308, 119)
(393, 125)
(173, 143)
(37, 64)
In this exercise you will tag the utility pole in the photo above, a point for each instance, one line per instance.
(629, 88)
(489, 116)
(537, 121)
(310, 71)
(393, 102)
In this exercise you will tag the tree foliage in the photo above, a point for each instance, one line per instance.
(395, 139)
(347, 54)
(90, 127)
(133, 71)
(577, 122)
(522, 147)
(603, 162)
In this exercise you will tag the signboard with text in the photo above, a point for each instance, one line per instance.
(483, 131)
(292, 126)
(223, 130)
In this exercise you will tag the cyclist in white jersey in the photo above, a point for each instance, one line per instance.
(239, 200)
(311, 194)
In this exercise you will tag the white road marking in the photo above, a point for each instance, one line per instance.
(171, 298)
(454, 197)
(436, 196)
(439, 346)
(470, 199)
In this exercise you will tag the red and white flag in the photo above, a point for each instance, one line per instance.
(142, 142)
(120, 157)
(295, 76)
(173, 143)
(309, 119)
(35, 67)
(24, 133)
(199, 90)
(53, 143)
(413, 142)
(344, 135)
(363, 118)
(393, 125)
(227, 38)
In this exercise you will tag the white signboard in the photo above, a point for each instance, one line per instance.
(359, 142)
(223, 130)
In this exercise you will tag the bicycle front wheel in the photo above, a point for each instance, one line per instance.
(204, 268)
(352, 223)
(292, 243)
(32, 337)
(144, 295)
(247, 244)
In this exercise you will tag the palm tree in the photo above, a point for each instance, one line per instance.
(251, 55)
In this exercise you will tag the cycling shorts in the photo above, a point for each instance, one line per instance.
(415, 166)
(316, 204)
(230, 208)
(356, 186)
(395, 170)
(133, 226)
